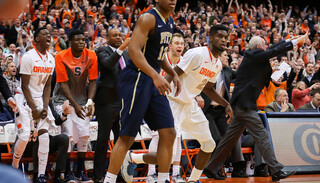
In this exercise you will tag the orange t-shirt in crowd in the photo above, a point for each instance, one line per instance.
(57, 47)
(120, 9)
(235, 18)
(266, 22)
(91, 13)
(262, 101)
(272, 88)
(305, 28)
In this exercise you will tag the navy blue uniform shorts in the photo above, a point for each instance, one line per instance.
(141, 100)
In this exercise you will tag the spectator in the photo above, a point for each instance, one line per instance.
(281, 102)
(315, 101)
(300, 94)
(310, 75)
(12, 81)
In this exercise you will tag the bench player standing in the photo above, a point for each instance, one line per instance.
(73, 67)
(34, 116)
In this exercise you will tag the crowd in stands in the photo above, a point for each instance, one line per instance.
(244, 20)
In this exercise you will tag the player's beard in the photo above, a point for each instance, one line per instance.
(217, 48)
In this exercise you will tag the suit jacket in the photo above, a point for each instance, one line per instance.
(4, 89)
(253, 73)
(229, 75)
(273, 107)
(307, 106)
(316, 76)
(109, 67)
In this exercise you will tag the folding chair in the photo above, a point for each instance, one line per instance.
(188, 152)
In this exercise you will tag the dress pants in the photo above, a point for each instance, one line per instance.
(108, 118)
(218, 125)
(249, 119)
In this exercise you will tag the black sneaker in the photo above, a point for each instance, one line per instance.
(214, 175)
(239, 174)
(281, 175)
(42, 179)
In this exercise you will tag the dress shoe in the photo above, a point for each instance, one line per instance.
(214, 175)
(239, 170)
(281, 175)
(239, 174)
(260, 171)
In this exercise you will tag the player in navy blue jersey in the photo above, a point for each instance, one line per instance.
(142, 91)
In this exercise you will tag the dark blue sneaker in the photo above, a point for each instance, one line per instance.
(69, 178)
(42, 179)
(127, 168)
(83, 178)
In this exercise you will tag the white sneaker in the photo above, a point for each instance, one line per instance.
(177, 178)
(152, 178)
(127, 168)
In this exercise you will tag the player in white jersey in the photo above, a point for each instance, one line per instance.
(173, 56)
(198, 71)
(34, 116)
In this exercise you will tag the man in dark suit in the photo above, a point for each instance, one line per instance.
(310, 76)
(218, 121)
(111, 60)
(251, 76)
(281, 102)
(314, 104)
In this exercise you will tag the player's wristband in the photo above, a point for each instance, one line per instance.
(64, 115)
(90, 102)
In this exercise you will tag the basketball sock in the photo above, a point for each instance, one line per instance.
(162, 177)
(175, 170)
(137, 158)
(153, 146)
(110, 178)
(43, 158)
(195, 174)
(151, 169)
(19, 148)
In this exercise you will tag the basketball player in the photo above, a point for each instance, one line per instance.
(73, 67)
(142, 91)
(198, 71)
(34, 116)
(173, 56)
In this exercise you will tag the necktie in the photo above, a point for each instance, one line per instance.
(122, 63)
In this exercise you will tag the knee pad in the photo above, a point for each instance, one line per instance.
(44, 143)
(83, 144)
(207, 146)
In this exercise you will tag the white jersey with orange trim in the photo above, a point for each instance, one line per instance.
(199, 67)
(39, 67)
(163, 73)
